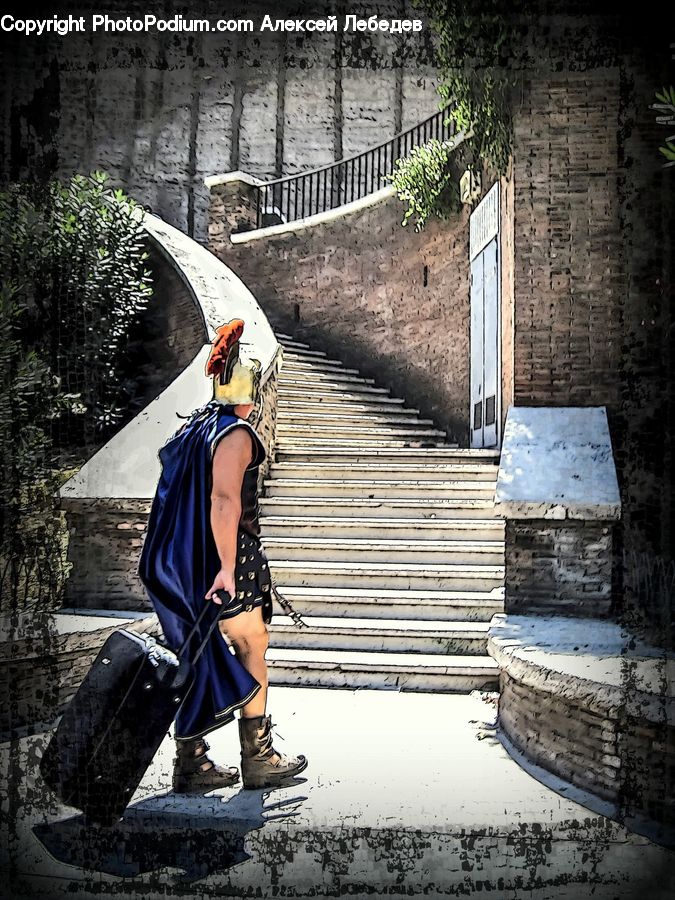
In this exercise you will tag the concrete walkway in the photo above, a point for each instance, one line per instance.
(405, 795)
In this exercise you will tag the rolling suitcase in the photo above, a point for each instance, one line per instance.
(119, 716)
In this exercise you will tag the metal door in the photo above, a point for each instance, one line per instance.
(485, 356)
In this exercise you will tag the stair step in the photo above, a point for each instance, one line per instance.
(392, 603)
(382, 635)
(389, 508)
(304, 353)
(378, 488)
(404, 551)
(316, 376)
(368, 429)
(299, 400)
(323, 366)
(381, 533)
(394, 671)
(325, 443)
(293, 343)
(350, 408)
(381, 528)
(328, 388)
(301, 361)
(296, 398)
(421, 472)
(394, 455)
(309, 418)
(412, 576)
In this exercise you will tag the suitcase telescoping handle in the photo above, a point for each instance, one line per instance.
(195, 628)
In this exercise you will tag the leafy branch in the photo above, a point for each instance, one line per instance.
(666, 107)
(425, 181)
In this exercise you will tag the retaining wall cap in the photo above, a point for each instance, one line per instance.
(127, 466)
(229, 177)
(330, 215)
(557, 463)
(589, 662)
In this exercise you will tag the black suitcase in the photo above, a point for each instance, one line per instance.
(114, 724)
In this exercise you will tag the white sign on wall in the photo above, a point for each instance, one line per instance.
(484, 222)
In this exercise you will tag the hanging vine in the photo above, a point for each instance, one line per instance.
(475, 48)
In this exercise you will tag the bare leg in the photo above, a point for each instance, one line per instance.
(249, 636)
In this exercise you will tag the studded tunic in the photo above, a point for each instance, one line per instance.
(179, 562)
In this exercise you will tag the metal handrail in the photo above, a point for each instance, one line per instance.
(295, 197)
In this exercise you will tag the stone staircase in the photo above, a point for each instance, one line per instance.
(382, 534)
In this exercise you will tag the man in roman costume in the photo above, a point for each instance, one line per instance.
(202, 537)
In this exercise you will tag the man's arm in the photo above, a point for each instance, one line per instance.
(233, 454)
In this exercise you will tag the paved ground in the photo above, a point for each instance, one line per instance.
(406, 794)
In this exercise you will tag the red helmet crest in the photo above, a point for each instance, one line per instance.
(226, 337)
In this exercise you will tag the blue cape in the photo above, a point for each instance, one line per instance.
(179, 562)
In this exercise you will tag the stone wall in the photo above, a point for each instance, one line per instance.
(385, 299)
(164, 341)
(159, 111)
(558, 567)
(624, 760)
(105, 541)
(592, 703)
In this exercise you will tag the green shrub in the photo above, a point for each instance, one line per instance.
(425, 180)
(76, 255)
(72, 262)
(32, 530)
(666, 109)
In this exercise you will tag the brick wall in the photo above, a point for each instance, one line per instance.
(378, 296)
(627, 761)
(568, 274)
(558, 568)
(594, 242)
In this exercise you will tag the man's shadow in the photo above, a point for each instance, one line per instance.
(198, 835)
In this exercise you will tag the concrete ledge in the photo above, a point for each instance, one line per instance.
(330, 215)
(557, 463)
(592, 704)
(212, 181)
(587, 661)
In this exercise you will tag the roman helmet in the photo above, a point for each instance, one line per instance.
(235, 380)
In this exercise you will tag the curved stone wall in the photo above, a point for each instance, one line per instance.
(107, 502)
(352, 281)
(586, 701)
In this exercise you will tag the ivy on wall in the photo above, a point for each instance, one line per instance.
(426, 181)
(476, 43)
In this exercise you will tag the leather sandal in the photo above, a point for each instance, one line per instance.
(262, 765)
(194, 771)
